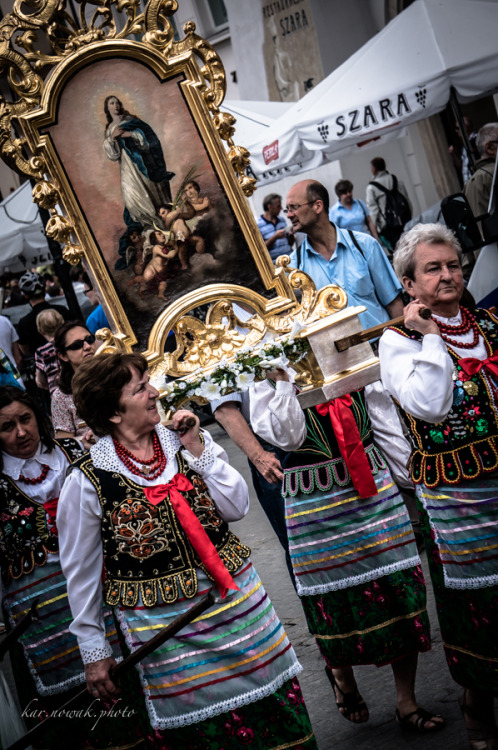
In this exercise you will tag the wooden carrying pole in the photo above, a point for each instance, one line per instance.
(130, 661)
(373, 333)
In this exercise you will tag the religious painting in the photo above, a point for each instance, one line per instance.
(147, 188)
(122, 135)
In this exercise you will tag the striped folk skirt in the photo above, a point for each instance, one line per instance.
(226, 681)
(460, 528)
(356, 564)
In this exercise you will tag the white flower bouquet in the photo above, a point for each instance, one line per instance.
(237, 374)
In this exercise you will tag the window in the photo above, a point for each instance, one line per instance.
(218, 13)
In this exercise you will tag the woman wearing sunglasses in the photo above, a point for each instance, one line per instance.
(74, 344)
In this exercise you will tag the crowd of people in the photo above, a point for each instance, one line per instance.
(117, 524)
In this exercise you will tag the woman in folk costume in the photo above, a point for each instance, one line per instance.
(443, 372)
(46, 663)
(351, 543)
(143, 524)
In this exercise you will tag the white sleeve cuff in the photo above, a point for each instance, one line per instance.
(203, 463)
(95, 649)
(285, 388)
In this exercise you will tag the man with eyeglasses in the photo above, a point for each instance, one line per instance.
(331, 255)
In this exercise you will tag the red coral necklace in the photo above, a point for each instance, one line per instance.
(468, 324)
(35, 480)
(149, 468)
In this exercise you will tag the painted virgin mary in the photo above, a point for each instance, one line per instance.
(144, 178)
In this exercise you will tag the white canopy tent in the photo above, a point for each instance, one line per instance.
(403, 74)
(254, 118)
(22, 240)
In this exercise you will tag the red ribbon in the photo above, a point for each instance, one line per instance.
(193, 528)
(349, 442)
(471, 365)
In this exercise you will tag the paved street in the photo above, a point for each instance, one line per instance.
(435, 689)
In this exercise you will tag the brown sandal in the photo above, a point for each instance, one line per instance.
(417, 721)
(351, 703)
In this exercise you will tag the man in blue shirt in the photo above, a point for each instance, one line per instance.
(330, 256)
(274, 228)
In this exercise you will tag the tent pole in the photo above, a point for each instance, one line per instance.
(455, 105)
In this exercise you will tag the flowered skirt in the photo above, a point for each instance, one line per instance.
(460, 528)
(226, 681)
(356, 564)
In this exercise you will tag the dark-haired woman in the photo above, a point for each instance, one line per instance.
(150, 507)
(144, 178)
(74, 344)
(32, 470)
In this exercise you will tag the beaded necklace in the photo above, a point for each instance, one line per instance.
(468, 323)
(149, 468)
(35, 480)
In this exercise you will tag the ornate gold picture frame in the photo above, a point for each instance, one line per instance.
(135, 162)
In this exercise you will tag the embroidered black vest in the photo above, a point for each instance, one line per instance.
(26, 536)
(464, 446)
(146, 550)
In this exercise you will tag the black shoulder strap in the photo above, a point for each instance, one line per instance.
(395, 182)
(355, 242)
(381, 187)
(298, 252)
(484, 170)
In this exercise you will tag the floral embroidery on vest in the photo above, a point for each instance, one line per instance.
(146, 551)
(28, 534)
(464, 446)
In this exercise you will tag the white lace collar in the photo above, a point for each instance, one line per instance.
(104, 455)
(30, 467)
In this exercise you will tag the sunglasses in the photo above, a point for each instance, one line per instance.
(80, 343)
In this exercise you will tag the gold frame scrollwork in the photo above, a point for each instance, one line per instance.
(41, 48)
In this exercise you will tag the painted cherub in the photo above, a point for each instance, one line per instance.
(201, 206)
(161, 267)
(174, 218)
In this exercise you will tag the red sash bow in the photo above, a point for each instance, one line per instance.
(471, 365)
(193, 529)
(349, 442)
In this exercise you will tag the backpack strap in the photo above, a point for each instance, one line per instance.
(298, 253)
(381, 187)
(355, 242)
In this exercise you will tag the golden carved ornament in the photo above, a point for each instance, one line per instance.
(202, 345)
(59, 228)
(48, 34)
(41, 48)
(46, 194)
(110, 343)
(72, 253)
(224, 123)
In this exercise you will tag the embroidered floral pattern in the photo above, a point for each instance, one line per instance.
(464, 446)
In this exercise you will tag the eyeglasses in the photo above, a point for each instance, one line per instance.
(86, 291)
(80, 343)
(293, 207)
(345, 192)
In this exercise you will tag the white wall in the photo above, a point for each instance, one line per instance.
(246, 32)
